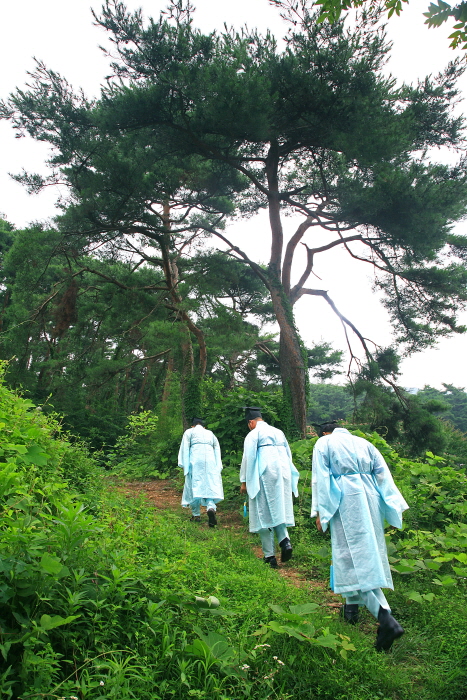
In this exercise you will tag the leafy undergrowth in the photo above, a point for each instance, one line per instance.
(152, 606)
(104, 598)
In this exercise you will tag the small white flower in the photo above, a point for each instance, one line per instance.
(244, 667)
(72, 697)
(261, 646)
(280, 662)
(101, 683)
(275, 658)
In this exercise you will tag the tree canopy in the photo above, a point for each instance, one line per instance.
(436, 14)
(194, 129)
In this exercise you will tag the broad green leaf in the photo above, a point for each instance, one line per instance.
(50, 564)
(433, 565)
(348, 646)
(293, 632)
(48, 623)
(277, 609)
(305, 609)
(307, 629)
(219, 645)
(403, 569)
(21, 449)
(199, 649)
(298, 619)
(36, 455)
(328, 640)
(276, 627)
(445, 581)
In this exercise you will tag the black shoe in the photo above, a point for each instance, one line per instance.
(272, 561)
(195, 519)
(350, 613)
(286, 550)
(212, 517)
(389, 630)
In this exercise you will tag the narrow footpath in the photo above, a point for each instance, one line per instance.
(162, 494)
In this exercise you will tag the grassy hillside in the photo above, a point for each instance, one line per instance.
(105, 598)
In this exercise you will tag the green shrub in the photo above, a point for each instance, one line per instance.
(143, 451)
(121, 602)
(225, 416)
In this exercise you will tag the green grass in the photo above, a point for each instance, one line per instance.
(98, 602)
(139, 632)
(427, 663)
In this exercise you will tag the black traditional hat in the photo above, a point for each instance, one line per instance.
(197, 421)
(252, 412)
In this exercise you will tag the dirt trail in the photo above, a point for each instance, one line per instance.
(164, 496)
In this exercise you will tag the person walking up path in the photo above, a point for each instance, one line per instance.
(269, 477)
(354, 493)
(200, 458)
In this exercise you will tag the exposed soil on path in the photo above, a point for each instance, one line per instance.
(163, 495)
(160, 492)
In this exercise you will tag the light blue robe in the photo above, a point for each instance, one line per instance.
(354, 492)
(200, 458)
(270, 477)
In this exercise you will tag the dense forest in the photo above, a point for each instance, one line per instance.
(133, 311)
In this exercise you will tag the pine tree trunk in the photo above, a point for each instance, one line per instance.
(186, 372)
(292, 365)
(189, 377)
(293, 370)
(167, 383)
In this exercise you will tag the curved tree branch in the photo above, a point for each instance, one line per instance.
(264, 348)
(322, 293)
(130, 364)
(290, 250)
(294, 294)
(254, 266)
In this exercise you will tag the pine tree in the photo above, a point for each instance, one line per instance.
(196, 128)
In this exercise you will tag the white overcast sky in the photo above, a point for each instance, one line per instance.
(61, 33)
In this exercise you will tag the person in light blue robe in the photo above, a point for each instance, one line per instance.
(354, 493)
(270, 478)
(200, 458)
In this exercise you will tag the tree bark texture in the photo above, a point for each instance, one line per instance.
(190, 378)
(292, 364)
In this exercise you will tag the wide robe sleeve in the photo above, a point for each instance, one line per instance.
(250, 471)
(184, 452)
(326, 494)
(293, 471)
(217, 453)
(243, 469)
(394, 502)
